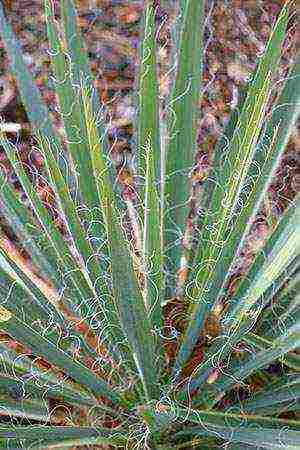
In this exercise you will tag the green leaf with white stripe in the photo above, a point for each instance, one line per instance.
(182, 111)
(20, 374)
(231, 427)
(68, 209)
(37, 437)
(31, 97)
(287, 342)
(281, 395)
(78, 273)
(281, 249)
(149, 146)
(30, 235)
(128, 300)
(291, 360)
(265, 162)
(70, 65)
(231, 177)
(28, 409)
(41, 346)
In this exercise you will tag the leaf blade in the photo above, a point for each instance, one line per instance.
(20, 330)
(183, 107)
(128, 301)
(31, 97)
(253, 291)
(70, 64)
(231, 176)
(233, 427)
(149, 145)
(37, 436)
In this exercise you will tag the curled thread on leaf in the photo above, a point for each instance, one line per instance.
(5, 314)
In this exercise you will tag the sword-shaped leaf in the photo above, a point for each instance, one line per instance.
(245, 306)
(285, 304)
(35, 107)
(259, 430)
(69, 211)
(37, 301)
(37, 437)
(28, 409)
(287, 342)
(149, 147)
(127, 301)
(23, 371)
(70, 65)
(226, 223)
(20, 330)
(291, 360)
(84, 292)
(183, 108)
(281, 395)
(26, 227)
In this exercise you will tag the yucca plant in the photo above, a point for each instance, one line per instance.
(92, 352)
